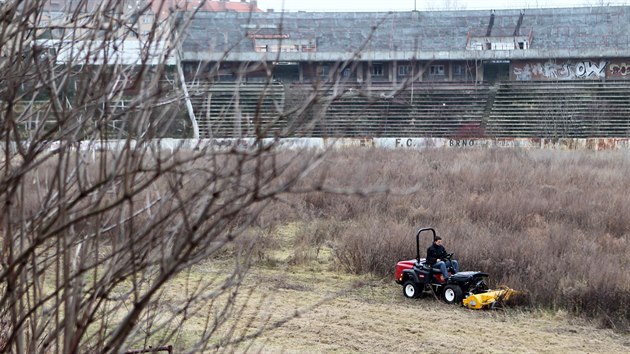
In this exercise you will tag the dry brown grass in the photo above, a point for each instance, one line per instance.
(374, 316)
(378, 319)
(555, 224)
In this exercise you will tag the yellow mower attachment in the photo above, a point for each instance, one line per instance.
(488, 299)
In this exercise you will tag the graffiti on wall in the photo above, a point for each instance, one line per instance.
(568, 70)
(619, 69)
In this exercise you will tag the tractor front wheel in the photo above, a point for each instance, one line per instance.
(452, 294)
(411, 289)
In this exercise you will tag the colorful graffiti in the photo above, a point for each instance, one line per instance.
(568, 70)
(619, 69)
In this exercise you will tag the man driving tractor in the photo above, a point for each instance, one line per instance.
(438, 258)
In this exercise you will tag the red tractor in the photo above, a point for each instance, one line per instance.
(467, 288)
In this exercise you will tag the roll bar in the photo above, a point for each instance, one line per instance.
(418, 240)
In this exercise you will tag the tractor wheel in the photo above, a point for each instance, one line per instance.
(452, 294)
(411, 289)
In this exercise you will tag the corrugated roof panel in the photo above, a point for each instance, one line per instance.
(607, 27)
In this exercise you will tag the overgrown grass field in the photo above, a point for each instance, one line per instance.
(555, 224)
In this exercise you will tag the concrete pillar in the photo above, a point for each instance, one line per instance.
(301, 72)
(391, 76)
(479, 71)
(360, 73)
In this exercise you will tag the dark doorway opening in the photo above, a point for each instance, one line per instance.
(286, 72)
(496, 71)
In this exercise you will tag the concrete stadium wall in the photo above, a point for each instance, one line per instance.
(592, 144)
(596, 144)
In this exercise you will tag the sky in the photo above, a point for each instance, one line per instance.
(407, 5)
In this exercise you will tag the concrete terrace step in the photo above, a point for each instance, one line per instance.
(560, 108)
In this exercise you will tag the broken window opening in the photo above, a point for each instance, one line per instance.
(377, 70)
(459, 70)
(323, 70)
(404, 70)
(436, 70)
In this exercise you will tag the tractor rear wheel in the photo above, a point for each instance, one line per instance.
(452, 294)
(411, 289)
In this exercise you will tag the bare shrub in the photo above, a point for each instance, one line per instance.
(312, 237)
(98, 218)
(368, 245)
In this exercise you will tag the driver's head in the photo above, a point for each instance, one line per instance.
(437, 240)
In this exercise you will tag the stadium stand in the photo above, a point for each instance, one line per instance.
(547, 109)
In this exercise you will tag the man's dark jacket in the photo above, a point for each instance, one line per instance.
(434, 252)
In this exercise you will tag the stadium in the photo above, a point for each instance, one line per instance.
(536, 73)
(172, 183)
(234, 71)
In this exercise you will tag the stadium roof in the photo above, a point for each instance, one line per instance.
(582, 32)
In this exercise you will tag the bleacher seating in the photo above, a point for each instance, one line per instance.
(231, 110)
(430, 110)
(561, 109)
(549, 109)
(569, 109)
